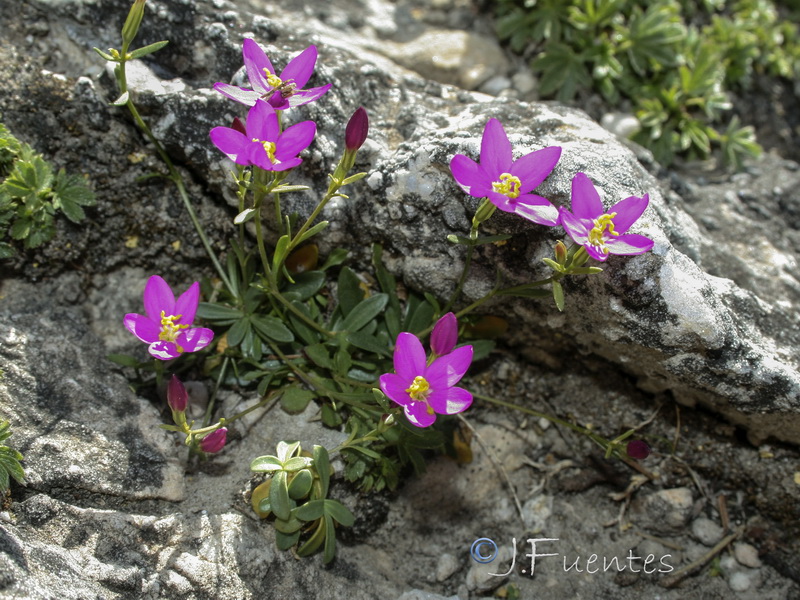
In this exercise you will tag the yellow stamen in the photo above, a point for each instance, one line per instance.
(601, 224)
(273, 79)
(269, 148)
(170, 329)
(419, 389)
(508, 185)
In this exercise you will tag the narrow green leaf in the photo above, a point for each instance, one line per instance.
(370, 343)
(123, 359)
(329, 553)
(266, 464)
(315, 541)
(149, 49)
(311, 510)
(313, 231)
(322, 464)
(279, 499)
(339, 512)
(364, 312)
(285, 541)
(349, 291)
(271, 328)
(300, 485)
(218, 313)
(558, 295)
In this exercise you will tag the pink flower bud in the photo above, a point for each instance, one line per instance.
(237, 125)
(638, 449)
(444, 335)
(177, 398)
(214, 441)
(357, 128)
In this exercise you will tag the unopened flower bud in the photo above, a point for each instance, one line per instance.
(355, 134)
(561, 253)
(214, 441)
(387, 419)
(131, 26)
(237, 125)
(177, 398)
(444, 335)
(638, 449)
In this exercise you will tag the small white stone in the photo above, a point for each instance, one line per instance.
(747, 555)
(621, 124)
(446, 566)
(524, 82)
(739, 582)
(706, 531)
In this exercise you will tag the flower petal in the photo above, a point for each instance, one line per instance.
(533, 168)
(142, 327)
(163, 350)
(305, 96)
(496, 155)
(186, 305)
(586, 202)
(628, 211)
(301, 67)
(237, 93)
(575, 227)
(232, 143)
(417, 413)
(595, 252)
(194, 339)
(469, 176)
(446, 371)
(409, 356)
(158, 296)
(536, 209)
(629, 244)
(445, 334)
(450, 401)
(295, 139)
(287, 164)
(395, 388)
(255, 61)
(262, 123)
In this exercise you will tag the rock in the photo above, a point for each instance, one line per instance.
(746, 555)
(446, 566)
(706, 531)
(621, 124)
(665, 511)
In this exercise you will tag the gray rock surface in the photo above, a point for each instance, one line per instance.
(708, 319)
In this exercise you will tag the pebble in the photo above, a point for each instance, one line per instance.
(495, 85)
(446, 566)
(524, 82)
(622, 125)
(665, 511)
(739, 582)
(706, 531)
(746, 555)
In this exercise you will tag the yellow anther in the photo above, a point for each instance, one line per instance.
(419, 389)
(269, 148)
(508, 185)
(272, 79)
(601, 224)
(170, 329)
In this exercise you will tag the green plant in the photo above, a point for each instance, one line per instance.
(31, 194)
(674, 62)
(9, 460)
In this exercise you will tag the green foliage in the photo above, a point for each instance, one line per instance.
(296, 495)
(31, 194)
(674, 61)
(9, 460)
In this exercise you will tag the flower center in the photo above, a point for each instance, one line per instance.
(170, 329)
(508, 185)
(598, 233)
(419, 390)
(286, 88)
(269, 148)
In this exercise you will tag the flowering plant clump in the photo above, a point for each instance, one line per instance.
(306, 335)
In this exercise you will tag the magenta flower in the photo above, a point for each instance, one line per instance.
(282, 91)
(177, 398)
(507, 182)
(167, 325)
(214, 441)
(424, 390)
(600, 232)
(444, 335)
(263, 144)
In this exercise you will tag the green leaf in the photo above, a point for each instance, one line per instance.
(562, 71)
(281, 251)
(288, 526)
(313, 231)
(421, 319)
(337, 257)
(295, 399)
(481, 349)
(349, 291)
(364, 312)
(330, 417)
(322, 464)
(329, 553)
(319, 355)
(311, 510)
(266, 464)
(238, 331)
(342, 362)
(218, 313)
(244, 216)
(306, 284)
(300, 485)
(558, 295)
(315, 541)
(307, 334)
(370, 343)
(271, 328)
(149, 49)
(339, 512)
(285, 541)
(123, 359)
(279, 500)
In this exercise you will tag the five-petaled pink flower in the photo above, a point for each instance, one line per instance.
(282, 91)
(505, 181)
(603, 232)
(263, 144)
(167, 326)
(424, 390)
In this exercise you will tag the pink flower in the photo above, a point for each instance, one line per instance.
(444, 335)
(214, 441)
(355, 134)
(177, 398)
(600, 232)
(507, 182)
(282, 91)
(424, 390)
(167, 325)
(263, 144)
